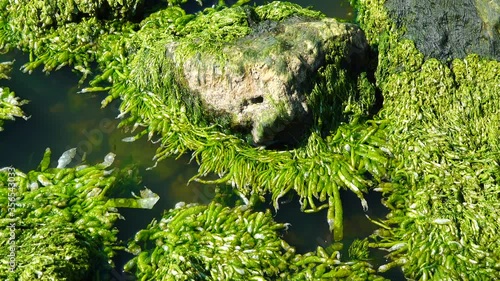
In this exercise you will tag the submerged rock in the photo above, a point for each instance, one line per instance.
(264, 78)
(450, 29)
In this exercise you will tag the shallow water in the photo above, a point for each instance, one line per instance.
(61, 119)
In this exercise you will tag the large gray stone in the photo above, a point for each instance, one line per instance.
(265, 78)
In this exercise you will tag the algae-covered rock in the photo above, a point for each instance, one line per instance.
(265, 77)
(253, 68)
(450, 29)
(443, 127)
(155, 98)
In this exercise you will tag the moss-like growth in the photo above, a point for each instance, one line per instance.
(38, 17)
(278, 11)
(60, 33)
(56, 252)
(443, 126)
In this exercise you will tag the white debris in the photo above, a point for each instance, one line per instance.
(66, 158)
(108, 159)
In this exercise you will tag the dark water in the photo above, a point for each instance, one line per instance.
(332, 8)
(62, 119)
(340, 9)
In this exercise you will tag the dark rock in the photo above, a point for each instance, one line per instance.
(451, 28)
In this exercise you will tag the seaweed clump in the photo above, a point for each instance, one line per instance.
(57, 252)
(216, 242)
(9, 103)
(443, 126)
(58, 223)
(61, 33)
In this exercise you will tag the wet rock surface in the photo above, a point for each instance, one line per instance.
(265, 77)
(450, 29)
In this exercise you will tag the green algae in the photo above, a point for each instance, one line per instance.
(441, 122)
(57, 251)
(211, 30)
(216, 242)
(70, 37)
(278, 11)
(10, 105)
(443, 126)
(58, 223)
